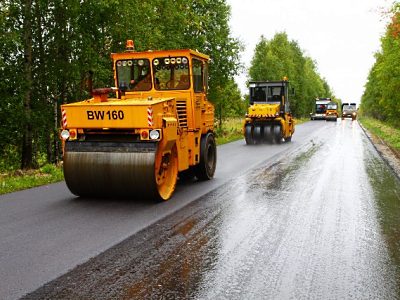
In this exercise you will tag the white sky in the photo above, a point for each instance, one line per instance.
(340, 35)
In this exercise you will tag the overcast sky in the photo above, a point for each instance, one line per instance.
(340, 35)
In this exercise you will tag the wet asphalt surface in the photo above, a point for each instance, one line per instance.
(316, 219)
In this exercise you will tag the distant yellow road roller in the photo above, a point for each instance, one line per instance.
(331, 111)
(159, 123)
(268, 118)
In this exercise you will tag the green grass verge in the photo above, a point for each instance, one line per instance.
(20, 180)
(301, 120)
(386, 132)
(231, 130)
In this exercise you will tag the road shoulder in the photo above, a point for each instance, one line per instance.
(391, 156)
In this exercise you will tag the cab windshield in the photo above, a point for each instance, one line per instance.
(133, 75)
(320, 108)
(349, 107)
(171, 73)
(266, 93)
(331, 106)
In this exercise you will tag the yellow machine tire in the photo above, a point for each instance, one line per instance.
(248, 134)
(257, 134)
(277, 134)
(208, 158)
(268, 133)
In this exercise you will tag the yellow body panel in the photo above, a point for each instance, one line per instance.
(331, 112)
(116, 113)
(263, 110)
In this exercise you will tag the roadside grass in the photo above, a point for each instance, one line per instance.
(20, 180)
(389, 134)
(229, 131)
(301, 120)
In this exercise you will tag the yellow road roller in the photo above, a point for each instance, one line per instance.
(159, 123)
(331, 111)
(268, 118)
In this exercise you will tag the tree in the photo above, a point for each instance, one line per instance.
(273, 59)
(381, 98)
(49, 48)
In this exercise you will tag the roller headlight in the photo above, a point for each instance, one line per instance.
(154, 134)
(65, 134)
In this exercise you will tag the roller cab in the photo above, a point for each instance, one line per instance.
(268, 118)
(157, 124)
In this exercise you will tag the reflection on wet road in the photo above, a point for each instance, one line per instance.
(323, 224)
(306, 228)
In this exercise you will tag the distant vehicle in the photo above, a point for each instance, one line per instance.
(269, 118)
(349, 110)
(331, 111)
(320, 109)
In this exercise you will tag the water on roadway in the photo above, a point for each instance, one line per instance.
(321, 224)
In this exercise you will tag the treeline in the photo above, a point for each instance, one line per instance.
(273, 59)
(381, 98)
(50, 48)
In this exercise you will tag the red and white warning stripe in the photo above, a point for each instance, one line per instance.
(64, 118)
(150, 116)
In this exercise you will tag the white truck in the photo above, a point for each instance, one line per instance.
(319, 112)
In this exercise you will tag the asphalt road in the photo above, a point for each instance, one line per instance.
(314, 218)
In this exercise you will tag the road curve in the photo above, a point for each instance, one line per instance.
(47, 231)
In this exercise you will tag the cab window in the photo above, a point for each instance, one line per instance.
(171, 73)
(198, 75)
(133, 75)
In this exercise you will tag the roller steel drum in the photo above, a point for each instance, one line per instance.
(105, 169)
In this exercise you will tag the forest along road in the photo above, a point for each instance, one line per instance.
(314, 218)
